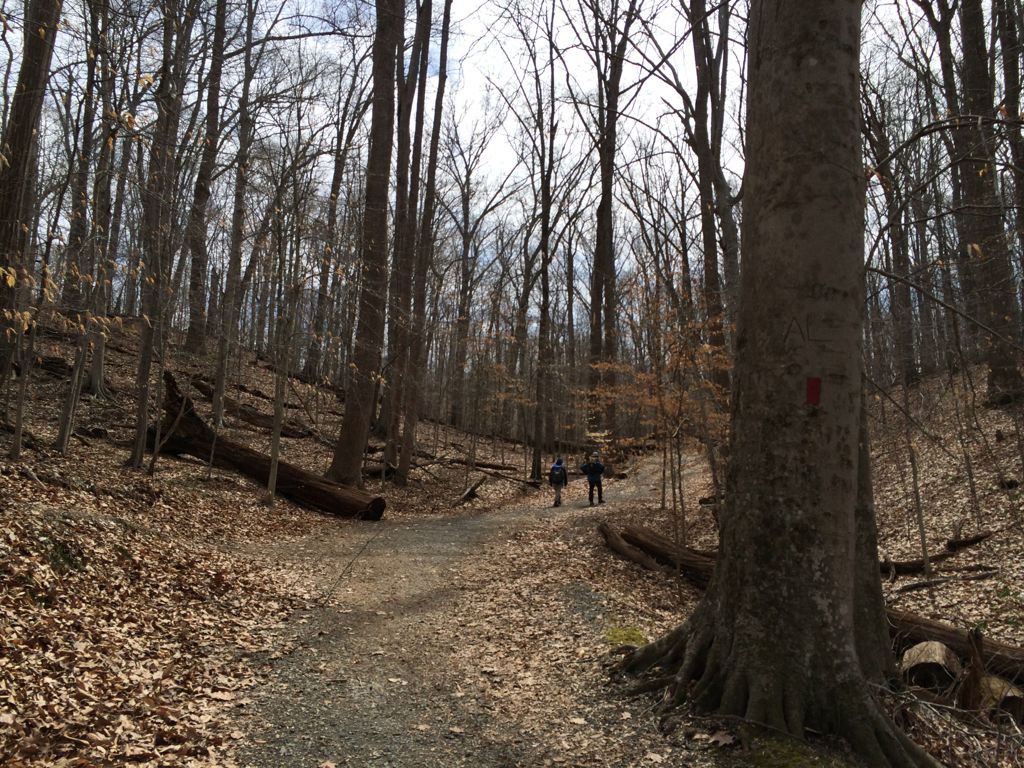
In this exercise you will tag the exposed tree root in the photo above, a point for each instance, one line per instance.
(699, 668)
(905, 628)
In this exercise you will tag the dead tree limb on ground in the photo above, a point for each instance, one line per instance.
(250, 415)
(470, 492)
(953, 547)
(186, 433)
(616, 543)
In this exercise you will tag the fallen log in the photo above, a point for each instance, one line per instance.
(338, 391)
(931, 665)
(55, 366)
(956, 544)
(372, 448)
(696, 566)
(998, 695)
(910, 629)
(616, 543)
(470, 492)
(466, 462)
(954, 547)
(507, 479)
(187, 434)
(28, 440)
(256, 392)
(911, 567)
(250, 415)
(907, 629)
(694, 563)
(929, 583)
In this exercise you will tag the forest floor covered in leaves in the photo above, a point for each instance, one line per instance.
(172, 619)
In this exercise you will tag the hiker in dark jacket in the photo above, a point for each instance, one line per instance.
(559, 479)
(593, 469)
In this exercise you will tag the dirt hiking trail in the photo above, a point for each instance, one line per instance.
(375, 672)
(367, 683)
(482, 638)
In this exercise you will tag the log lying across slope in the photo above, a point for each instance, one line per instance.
(656, 552)
(953, 548)
(185, 433)
(250, 415)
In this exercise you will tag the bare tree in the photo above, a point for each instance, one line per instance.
(424, 257)
(346, 464)
(157, 195)
(603, 31)
(17, 179)
(196, 234)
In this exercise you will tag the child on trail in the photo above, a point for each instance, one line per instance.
(593, 469)
(559, 479)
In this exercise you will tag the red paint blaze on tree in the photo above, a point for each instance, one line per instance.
(797, 641)
(814, 390)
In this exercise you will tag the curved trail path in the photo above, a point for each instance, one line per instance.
(367, 685)
(372, 675)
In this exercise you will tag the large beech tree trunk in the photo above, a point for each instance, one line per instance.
(183, 432)
(795, 481)
(655, 552)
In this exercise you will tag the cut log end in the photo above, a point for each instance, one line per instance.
(931, 665)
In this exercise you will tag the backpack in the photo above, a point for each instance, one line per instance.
(557, 475)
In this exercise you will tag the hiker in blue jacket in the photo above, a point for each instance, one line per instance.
(593, 469)
(559, 478)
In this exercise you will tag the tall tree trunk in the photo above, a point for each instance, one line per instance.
(346, 464)
(1008, 25)
(156, 203)
(986, 246)
(706, 139)
(17, 175)
(876, 130)
(410, 154)
(100, 240)
(78, 277)
(232, 290)
(195, 231)
(940, 17)
(602, 290)
(795, 479)
(460, 345)
(351, 116)
(132, 279)
(424, 256)
(546, 128)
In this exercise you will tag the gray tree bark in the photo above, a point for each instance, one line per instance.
(798, 476)
(17, 175)
(987, 250)
(195, 234)
(424, 257)
(346, 464)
